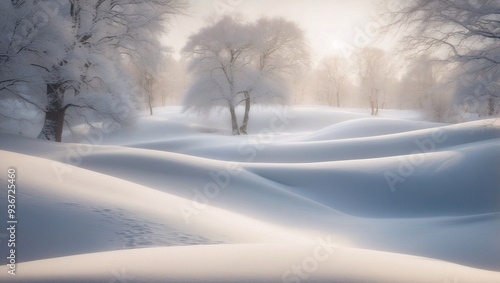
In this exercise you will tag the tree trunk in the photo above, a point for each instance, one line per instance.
(491, 106)
(150, 105)
(243, 128)
(234, 119)
(338, 97)
(374, 102)
(374, 106)
(54, 114)
(149, 83)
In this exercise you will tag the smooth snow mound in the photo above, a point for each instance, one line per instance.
(366, 127)
(318, 262)
(313, 194)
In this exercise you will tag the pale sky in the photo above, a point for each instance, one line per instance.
(331, 26)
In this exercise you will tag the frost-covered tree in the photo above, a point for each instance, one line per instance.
(463, 32)
(234, 62)
(281, 54)
(220, 57)
(26, 45)
(78, 51)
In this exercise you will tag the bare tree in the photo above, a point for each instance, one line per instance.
(425, 88)
(373, 71)
(334, 74)
(172, 82)
(463, 32)
(420, 81)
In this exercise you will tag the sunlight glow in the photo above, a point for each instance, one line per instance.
(337, 45)
(330, 25)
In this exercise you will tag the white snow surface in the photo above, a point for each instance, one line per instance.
(313, 194)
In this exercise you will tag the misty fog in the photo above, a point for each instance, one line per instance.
(440, 59)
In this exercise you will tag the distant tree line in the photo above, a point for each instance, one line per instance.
(90, 64)
(450, 70)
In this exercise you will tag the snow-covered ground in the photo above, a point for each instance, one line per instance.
(313, 194)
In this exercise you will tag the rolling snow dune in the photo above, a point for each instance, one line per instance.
(271, 149)
(112, 214)
(366, 127)
(250, 263)
(444, 183)
(175, 200)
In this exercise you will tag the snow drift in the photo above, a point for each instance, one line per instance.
(311, 195)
